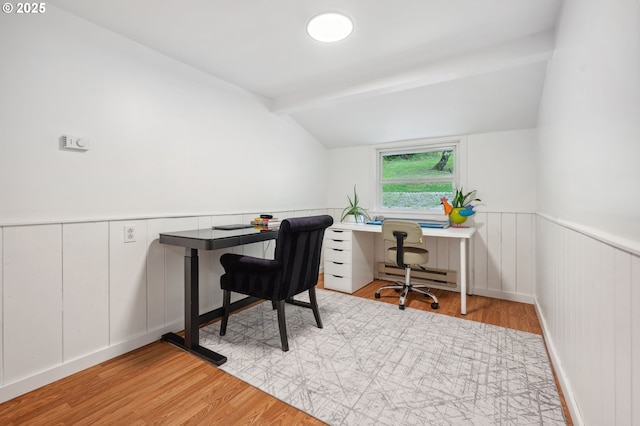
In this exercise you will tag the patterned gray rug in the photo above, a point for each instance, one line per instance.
(373, 364)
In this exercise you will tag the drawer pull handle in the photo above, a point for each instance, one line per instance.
(338, 263)
(338, 276)
(337, 249)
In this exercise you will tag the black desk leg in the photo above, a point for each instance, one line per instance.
(191, 339)
(191, 298)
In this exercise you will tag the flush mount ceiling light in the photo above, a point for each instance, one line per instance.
(329, 27)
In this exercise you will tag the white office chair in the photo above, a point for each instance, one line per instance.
(404, 234)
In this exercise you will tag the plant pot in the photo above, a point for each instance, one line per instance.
(455, 217)
(350, 218)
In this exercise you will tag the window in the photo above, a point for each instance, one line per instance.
(416, 178)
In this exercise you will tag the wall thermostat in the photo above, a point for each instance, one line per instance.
(73, 142)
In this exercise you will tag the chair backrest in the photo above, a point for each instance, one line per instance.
(412, 229)
(298, 248)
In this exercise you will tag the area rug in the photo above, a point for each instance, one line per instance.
(374, 364)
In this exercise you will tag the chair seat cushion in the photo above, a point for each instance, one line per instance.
(412, 255)
(250, 275)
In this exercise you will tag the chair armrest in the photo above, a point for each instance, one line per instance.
(249, 275)
(232, 263)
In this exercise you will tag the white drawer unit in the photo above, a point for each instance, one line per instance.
(348, 260)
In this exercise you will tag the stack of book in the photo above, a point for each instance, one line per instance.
(434, 223)
(266, 222)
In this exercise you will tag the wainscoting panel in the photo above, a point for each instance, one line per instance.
(623, 333)
(479, 272)
(635, 336)
(207, 276)
(1, 311)
(525, 253)
(503, 255)
(174, 277)
(494, 251)
(441, 255)
(603, 270)
(165, 272)
(588, 301)
(128, 281)
(508, 253)
(85, 288)
(32, 300)
(430, 244)
(76, 294)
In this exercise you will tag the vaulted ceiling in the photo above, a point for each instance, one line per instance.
(410, 69)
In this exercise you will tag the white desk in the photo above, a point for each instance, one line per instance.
(462, 234)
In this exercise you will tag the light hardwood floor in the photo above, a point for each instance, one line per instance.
(160, 384)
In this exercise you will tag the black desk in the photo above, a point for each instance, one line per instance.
(203, 239)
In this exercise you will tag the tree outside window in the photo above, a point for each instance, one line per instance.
(416, 180)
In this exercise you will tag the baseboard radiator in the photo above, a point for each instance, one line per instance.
(434, 276)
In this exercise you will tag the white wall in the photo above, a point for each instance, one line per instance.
(589, 119)
(166, 139)
(171, 148)
(75, 294)
(501, 167)
(588, 302)
(348, 167)
(588, 235)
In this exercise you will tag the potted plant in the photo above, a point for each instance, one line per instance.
(353, 212)
(462, 200)
(460, 208)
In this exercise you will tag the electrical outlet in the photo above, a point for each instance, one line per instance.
(129, 233)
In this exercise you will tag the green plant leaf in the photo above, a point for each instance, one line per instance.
(353, 208)
(462, 200)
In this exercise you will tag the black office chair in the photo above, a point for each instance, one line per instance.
(404, 234)
(294, 270)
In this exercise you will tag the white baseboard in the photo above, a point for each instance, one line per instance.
(497, 294)
(27, 384)
(494, 294)
(567, 390)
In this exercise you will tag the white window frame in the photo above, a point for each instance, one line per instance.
(457, 144)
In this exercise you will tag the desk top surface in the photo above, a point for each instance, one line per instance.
(451, 232)
(213, 239)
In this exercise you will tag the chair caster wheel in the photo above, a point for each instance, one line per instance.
(377, 295)
(434, 305)
(401, 307)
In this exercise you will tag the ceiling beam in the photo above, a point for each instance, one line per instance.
(527, 50)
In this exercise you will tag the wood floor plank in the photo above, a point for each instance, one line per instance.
(160, 384)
